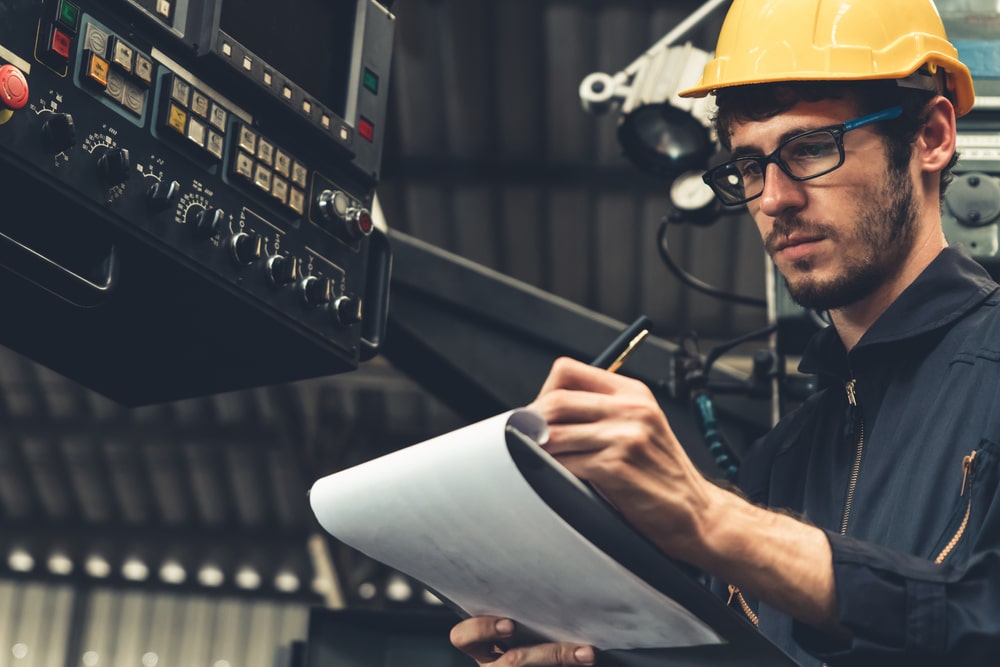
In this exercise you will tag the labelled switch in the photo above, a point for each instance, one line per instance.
(347, 310)
(205, 222)
(162, 195)
(246, 247)
(58, 133)
(114, 166)
(316, 291)
(282, 270)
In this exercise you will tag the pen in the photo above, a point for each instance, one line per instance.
(614, 355)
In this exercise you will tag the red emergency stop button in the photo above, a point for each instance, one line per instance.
(13, 87)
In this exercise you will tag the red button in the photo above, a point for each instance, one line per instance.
(13, 87)
(366, 129)
(59, 43)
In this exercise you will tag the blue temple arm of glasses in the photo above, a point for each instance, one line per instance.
(885, 114)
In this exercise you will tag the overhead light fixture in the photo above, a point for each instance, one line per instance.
(247, 578)
(134, 569)
(211, 575)
(172, 572)
(661, 133)
(20, 560)
(61, 564)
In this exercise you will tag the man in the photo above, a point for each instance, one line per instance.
(882, 546)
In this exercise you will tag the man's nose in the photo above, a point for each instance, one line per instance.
(781, 192)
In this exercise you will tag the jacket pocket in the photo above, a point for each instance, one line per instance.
(979, 481)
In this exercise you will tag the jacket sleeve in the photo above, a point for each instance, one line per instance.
(903, 609)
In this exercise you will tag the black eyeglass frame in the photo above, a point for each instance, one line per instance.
(837, 131)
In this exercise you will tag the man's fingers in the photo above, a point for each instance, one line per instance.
(479, 636)
(548, 655)
(483, 638)
(568, 373)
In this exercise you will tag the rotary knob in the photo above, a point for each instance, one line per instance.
(205, 222)
(315, 291)
(114, 166)
(58, 133)
(348, 310)
(161, 195)
(246, 247)
(282, 270)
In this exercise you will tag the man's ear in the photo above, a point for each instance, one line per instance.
(935, 142)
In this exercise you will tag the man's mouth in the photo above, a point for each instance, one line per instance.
(796, 245)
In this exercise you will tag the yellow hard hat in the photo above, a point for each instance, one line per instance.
(765, 41)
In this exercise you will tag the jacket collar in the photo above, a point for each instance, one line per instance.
(951, 285)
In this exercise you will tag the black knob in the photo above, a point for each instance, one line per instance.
(246, 247)
(58, 133)
(282, 270)
(205, 222)
(162, 196)
(316, 291)
(348, 310)
(114, 166)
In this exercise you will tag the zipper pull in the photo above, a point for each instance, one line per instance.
(732, 593)
(966, 469)
(851, 413)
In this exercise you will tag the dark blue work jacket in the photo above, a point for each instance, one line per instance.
(905, 482)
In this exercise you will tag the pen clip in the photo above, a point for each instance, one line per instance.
(632, 344)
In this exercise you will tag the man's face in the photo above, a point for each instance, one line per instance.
(838, 237)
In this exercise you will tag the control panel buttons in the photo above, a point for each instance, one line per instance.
(58, 133)
(273, 173)
(333, 205)
(343, 216)
(114, 166)
(191, 117)
(246, 247)
(68, 15)
(162, 195)
(13, 87)
(359, 222)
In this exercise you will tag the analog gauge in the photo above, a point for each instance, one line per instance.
(690, 194)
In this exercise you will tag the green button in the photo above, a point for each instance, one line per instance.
(371, 81)
(69, 14)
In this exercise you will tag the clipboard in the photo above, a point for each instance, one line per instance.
(604, 527)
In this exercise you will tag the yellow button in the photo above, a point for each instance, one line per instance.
(97, 70)
(177, 118)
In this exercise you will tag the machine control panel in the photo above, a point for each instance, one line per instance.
(174, 171)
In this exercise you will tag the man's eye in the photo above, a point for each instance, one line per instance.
(810, 149)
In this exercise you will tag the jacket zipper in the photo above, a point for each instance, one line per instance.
(856, 468)
(734, 591)
(957, 537)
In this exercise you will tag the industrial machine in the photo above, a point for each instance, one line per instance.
(189, 188)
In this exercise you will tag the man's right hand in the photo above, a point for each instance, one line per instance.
(482, 638)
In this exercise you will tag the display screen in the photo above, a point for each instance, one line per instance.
(308, 41)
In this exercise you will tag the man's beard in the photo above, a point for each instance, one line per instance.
(885, 227)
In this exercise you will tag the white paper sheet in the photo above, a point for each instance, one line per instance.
(455, 513)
